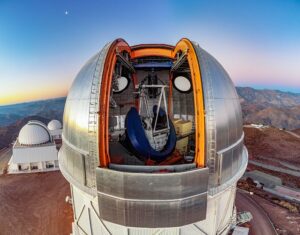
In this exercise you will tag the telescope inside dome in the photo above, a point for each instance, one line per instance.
(151, 111)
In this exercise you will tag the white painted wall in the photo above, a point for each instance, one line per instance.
(27, 157)
(34, 154)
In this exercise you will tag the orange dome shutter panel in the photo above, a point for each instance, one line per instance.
(186, 46)
(183, 45)
(118, 45)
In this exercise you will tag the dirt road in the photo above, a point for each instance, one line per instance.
(260, 224)
(293, 134)
(5, 155)
(275, 168)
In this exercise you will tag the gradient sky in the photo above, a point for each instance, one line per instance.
(42, 48)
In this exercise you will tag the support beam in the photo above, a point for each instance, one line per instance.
(125, 62)
(179, 62)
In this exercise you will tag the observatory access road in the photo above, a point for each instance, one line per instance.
(261, 223)
(275, 168)
(5, 155)
(293, 134)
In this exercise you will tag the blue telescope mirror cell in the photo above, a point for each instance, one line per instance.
(138, 142)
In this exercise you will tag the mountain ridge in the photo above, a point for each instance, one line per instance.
(51, 109)
(270, 107)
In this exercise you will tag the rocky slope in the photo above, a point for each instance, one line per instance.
(274, 147)
(51, 109)
(270, 107)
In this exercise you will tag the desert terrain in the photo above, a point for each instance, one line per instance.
(34, 204)
(269, 143)
(270, 107)
(276, 152)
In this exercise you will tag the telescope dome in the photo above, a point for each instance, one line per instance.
(54, 125)
(33, 134)
(148, 124)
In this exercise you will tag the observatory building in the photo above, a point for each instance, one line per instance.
(55, 129)
(153, 142)
(34, 150)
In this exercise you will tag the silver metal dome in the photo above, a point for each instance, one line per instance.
(225, 154)
(223, 119)
(224, 133)
(80, 123)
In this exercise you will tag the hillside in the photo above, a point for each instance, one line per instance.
(274, 147)
(270, 107)
(50, 109)
(297, 131)
(272, 143)
(35, 204)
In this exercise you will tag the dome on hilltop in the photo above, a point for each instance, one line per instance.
(33, 134)
(54, 125)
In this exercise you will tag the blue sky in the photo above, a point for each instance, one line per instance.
(42, 48)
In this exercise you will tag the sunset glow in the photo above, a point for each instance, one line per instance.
(30, 95)
(44, 44)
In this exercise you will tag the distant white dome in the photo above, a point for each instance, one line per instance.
(54, 125)
(32, 134)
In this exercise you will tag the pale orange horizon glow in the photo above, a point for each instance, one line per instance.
(32, 87)
(32, 95)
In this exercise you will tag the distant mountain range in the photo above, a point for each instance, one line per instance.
(50, 109)
(269, 107)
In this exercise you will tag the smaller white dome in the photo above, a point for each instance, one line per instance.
(32, 134)
(54, 125)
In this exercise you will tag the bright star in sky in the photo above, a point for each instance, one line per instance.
(66, 13)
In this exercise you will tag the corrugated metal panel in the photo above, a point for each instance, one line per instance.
(154, 186)
(226, 166)
(153, 214)
(72, 162)
(152, 200)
